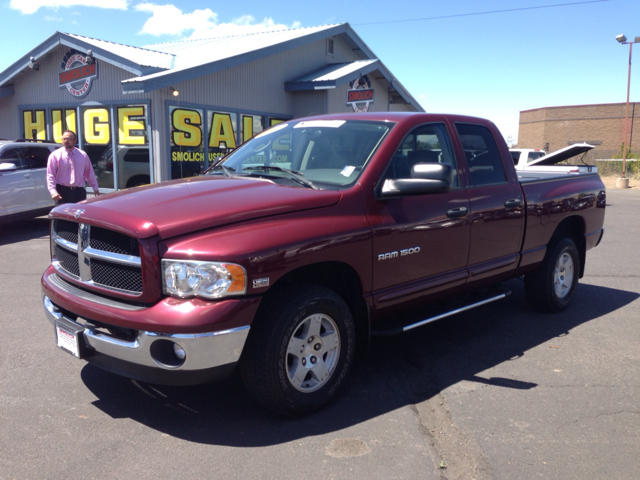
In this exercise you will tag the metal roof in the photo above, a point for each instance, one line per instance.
(337, 74)
(139, 55)
(165, 64)
(332, 75)
(195, 58)
(139, 61)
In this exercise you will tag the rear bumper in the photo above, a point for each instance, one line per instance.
(149, 356)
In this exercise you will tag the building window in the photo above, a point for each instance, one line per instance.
(187, 146)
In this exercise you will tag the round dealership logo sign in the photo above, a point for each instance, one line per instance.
(360, 95)
(78, 73)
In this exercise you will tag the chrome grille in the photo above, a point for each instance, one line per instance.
(67, 230)
(110, 241)
(121, 277)
(68, 260)
(97, 256)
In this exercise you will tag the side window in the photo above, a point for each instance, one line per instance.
(425, 144)
(13, 155)
(36, 157)
(483, 156)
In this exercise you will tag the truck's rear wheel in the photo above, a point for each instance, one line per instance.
(550, 288)
(299, 351)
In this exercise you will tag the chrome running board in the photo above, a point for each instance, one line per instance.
(494, 296)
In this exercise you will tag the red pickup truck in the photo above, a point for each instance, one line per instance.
(289, 254)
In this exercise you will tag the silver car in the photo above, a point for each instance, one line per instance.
(23, 179)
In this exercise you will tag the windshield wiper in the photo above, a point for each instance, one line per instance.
(226, 170)
(297, 176)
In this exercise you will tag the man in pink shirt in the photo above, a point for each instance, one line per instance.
(67, 169)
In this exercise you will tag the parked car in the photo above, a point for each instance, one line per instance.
(288, 255)
(133, 166)
(23, 179)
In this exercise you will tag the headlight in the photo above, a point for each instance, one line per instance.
(203, 279)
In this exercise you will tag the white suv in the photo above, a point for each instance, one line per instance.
(23, 179)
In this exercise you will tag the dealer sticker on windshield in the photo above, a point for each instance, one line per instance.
(320, 123)
(347, 170)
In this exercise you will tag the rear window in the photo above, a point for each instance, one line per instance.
(535, 156)
(483, 157)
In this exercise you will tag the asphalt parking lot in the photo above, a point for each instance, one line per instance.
(501, 392)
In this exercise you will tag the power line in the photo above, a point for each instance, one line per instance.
(482, 13)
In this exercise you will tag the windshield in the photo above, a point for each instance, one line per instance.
(312, 153)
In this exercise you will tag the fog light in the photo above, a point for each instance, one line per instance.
(179, 352)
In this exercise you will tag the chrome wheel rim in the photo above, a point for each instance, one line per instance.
(563, 275)
(313, 353)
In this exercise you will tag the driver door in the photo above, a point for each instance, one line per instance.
(420, 243)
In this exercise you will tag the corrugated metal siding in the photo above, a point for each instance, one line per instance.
(310, 103)
(41, 87)
(342, 51)
(401, 107)
(9, 125)
(259, 85)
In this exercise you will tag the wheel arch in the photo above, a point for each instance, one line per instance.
(342, 279)
(574, 228)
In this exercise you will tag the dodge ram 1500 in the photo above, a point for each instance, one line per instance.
(291, 252)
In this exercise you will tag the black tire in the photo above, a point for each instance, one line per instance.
(299, 351)
(550, 288)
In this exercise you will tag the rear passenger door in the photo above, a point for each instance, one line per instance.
(496, 205)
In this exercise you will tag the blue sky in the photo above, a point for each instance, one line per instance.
(461, 56)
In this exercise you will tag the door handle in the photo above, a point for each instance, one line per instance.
(457, 212)
(515, 203)
(27, 175)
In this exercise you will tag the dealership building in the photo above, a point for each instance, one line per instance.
(169, 110)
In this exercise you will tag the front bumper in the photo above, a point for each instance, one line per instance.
(149, 356)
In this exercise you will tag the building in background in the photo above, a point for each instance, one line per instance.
(603, 126)
(169, 110)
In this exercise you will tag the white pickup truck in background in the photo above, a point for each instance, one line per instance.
(533, 160)
(522, 156)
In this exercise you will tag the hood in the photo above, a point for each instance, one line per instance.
(561, 155)
(177, 207)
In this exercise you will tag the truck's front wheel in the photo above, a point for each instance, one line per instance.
(550, 288)
(299, 351)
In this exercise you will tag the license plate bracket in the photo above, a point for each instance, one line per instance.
(69, 337)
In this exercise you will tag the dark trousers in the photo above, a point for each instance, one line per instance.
(70, 194)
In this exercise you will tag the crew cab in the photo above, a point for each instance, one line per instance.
(291, 252)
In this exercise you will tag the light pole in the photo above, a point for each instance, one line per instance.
(625, 182)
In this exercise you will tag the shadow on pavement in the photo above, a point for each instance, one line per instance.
(22, 231)
(400, 371)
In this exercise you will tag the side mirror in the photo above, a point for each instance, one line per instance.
(425, 178)
(8, 167)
